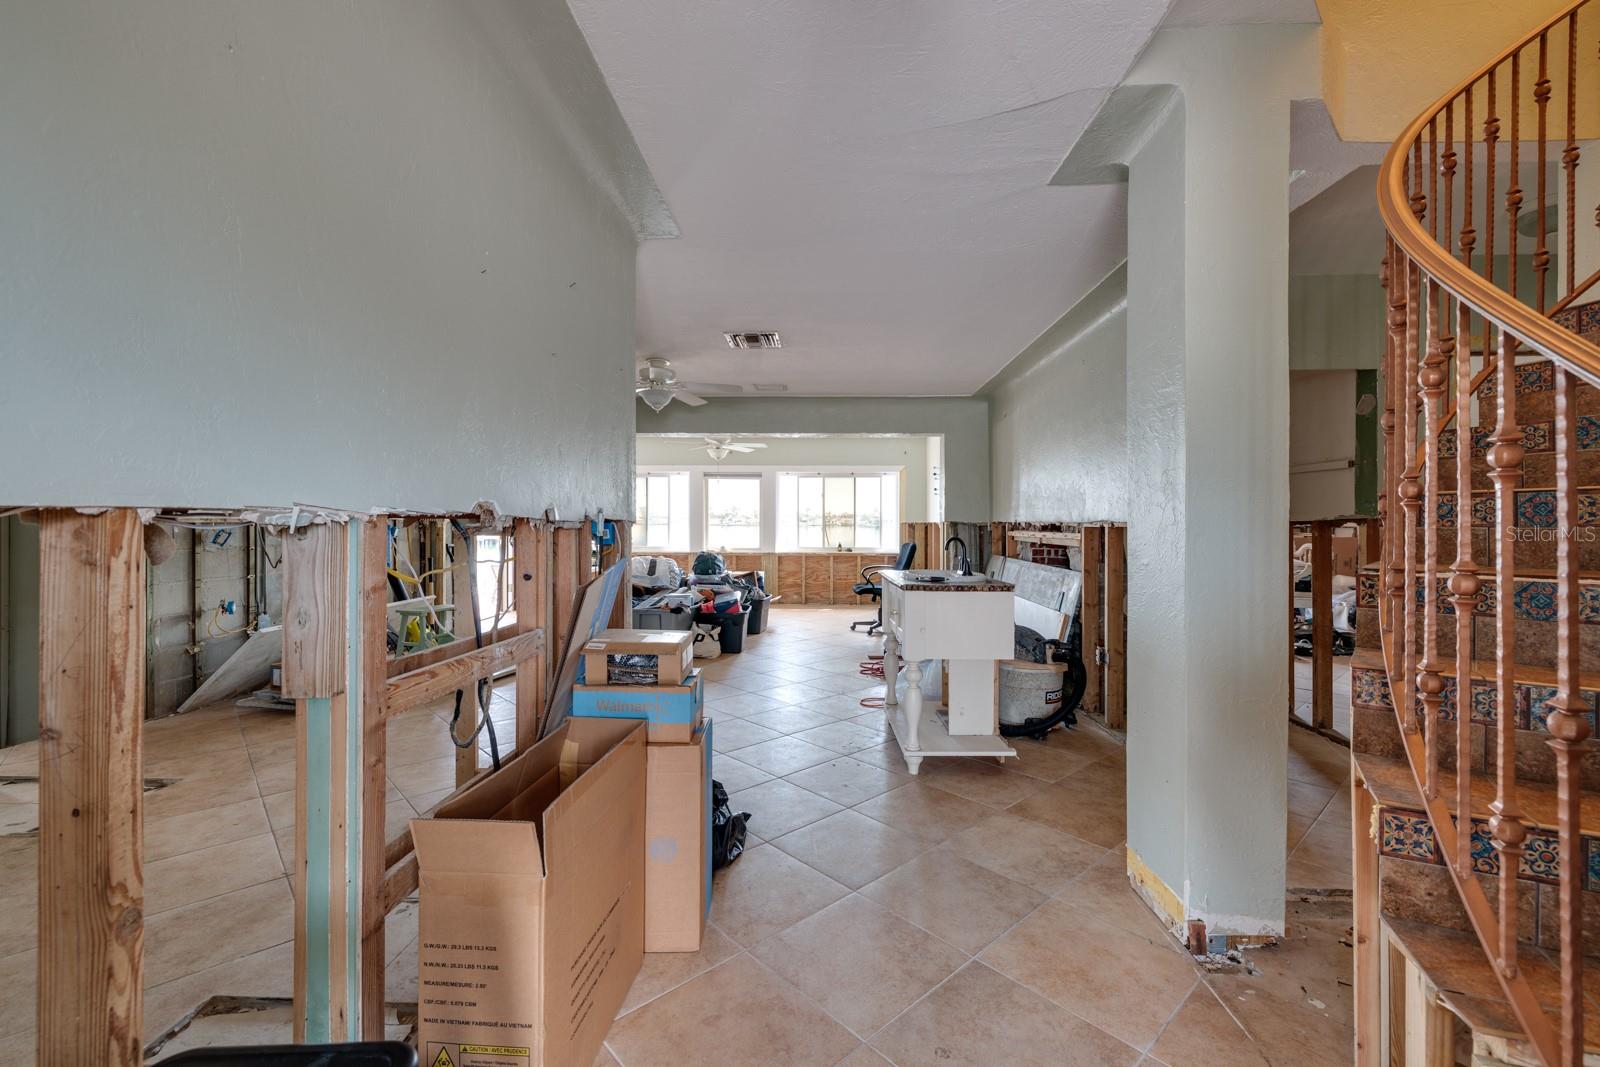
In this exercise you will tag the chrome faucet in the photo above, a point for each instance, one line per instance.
(963, 561)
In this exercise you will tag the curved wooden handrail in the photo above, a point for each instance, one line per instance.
(1487, 299)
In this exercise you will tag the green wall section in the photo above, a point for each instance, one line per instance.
(1367, 444)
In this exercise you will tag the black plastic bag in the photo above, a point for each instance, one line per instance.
(727, 829)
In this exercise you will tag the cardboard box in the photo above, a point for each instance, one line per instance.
(677, 842)
(673, 711)
(673, 650)
(531, 928)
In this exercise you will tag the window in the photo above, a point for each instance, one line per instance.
(733, 511)
(661, 511)
(493, 580)
(852, 511)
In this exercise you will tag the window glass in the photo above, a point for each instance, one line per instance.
(733, 512)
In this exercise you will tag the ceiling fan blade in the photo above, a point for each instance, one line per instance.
(740, 448)
(714, 388)
(688, 398)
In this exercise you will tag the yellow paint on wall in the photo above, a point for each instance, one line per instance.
(1155, 892)
(1384, 63)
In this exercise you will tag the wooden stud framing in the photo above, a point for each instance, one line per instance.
(569, 553)
(1366, 922)
(530, 596)
(1322, 625)
(374, 657)
(463, 672)
(1116, 606)
(315, 637)
(91, 836)
(1092, 622)
(1430, 1037)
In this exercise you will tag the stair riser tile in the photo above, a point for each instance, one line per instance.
(1534, 510)
(1406, 834)
(1370, 686)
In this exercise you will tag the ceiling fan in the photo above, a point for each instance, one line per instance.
(658, 385)
(719, 447)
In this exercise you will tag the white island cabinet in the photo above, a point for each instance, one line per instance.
(965, 620)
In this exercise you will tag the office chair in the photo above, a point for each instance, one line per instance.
(867, 587)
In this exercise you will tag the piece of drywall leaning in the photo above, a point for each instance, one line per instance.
(358, 255)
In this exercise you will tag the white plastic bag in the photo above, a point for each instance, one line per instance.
(707, 641)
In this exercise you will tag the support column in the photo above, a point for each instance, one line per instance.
(322, 656)
(91, 787)
(1208, 418)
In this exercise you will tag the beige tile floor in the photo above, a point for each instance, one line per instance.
(974, 914)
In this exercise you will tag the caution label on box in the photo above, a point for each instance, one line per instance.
(449, 1054)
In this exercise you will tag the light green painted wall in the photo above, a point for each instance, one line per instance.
(1058, 417)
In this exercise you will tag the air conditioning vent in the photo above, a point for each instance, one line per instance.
(771, 388)
(753, 340)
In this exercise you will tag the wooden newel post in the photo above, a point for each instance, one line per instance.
(91, 784)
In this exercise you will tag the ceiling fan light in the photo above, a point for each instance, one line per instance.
(656, 397)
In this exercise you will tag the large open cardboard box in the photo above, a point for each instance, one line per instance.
(532, 902)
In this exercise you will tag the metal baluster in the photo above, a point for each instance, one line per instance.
(1568, 720)
(1569, 156)
(1430, 683)
(1541, 97)
(1491, 144)
(1394, 442)
(1506, 827)
(1464, 575)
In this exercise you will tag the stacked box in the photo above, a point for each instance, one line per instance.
(668, 653)
(677, 836)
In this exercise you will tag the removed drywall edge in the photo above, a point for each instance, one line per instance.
(1156, 893)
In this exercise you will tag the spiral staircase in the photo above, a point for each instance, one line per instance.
(1475, 683)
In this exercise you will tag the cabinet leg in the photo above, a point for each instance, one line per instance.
(913, 713)
(891, 668)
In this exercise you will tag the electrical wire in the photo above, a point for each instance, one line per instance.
(484, 719)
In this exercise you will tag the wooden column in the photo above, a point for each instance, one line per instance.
(1322, 625)
(570, 561)
(1366, 922)
(373, 657)
(1093, 623)
(622, 607)
(1116, 597)
(316, 631)
(1371, 541)
(91, 808)
(530, 594)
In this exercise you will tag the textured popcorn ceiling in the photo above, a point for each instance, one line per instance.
(868, 179)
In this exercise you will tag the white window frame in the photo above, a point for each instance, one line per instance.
(854, 473)
(769, 498)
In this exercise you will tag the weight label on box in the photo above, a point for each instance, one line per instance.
(450, 1054)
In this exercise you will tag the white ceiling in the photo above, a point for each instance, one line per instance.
(871, 180)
